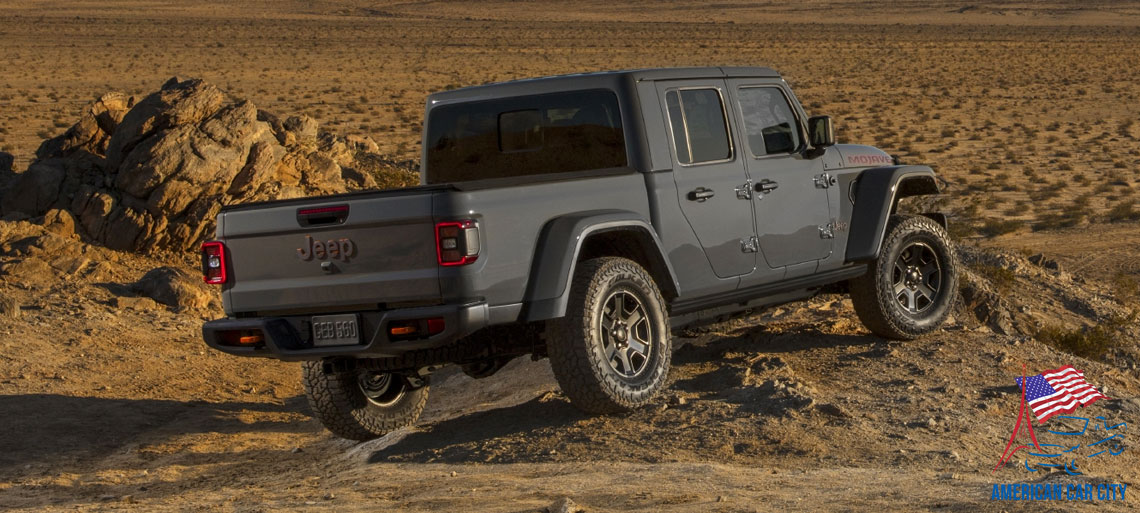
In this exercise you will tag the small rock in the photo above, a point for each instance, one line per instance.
(721, 498)
(454, 473)
(297, 450)
(931, 423)
(135, 303)
(1046, 262)
(174, 287)
(330, 496)
(832, 410)
(9, 308)
(564, 505)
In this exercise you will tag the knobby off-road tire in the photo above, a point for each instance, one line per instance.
(909, 290)
(339, 400)
(611, 352)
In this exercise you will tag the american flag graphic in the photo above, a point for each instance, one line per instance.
(1058, 391)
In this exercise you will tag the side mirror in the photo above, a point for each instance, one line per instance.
(821, 132)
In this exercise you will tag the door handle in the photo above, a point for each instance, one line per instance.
(766, 186)
(700, 194)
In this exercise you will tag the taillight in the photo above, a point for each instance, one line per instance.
(214, 262)
(457, 242)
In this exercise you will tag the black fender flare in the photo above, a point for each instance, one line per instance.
(556, 257)
(877, 192)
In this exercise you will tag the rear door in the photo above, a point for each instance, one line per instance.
(791, 203)
(709, 173)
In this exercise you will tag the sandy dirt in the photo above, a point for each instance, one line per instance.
(109, 404)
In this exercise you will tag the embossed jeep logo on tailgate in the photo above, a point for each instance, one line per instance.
(339, 249)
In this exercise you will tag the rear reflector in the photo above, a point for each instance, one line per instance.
(415, 328)
(215, 269)
(456, 242)
(240, 337)
(402, 330)
(435, 325)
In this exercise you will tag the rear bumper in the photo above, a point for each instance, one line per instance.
(290, 337)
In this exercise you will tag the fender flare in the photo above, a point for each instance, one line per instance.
(556, 257)
(877, 192)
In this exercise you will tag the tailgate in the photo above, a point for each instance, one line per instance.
(337, 251)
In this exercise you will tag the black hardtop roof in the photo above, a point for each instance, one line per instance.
(600, 79)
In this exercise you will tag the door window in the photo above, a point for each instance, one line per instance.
(768, 121)
(700, 126)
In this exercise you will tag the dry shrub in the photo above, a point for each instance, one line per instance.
(1092, 342)
(994, 227)
(1123, 211)
(1001, 278)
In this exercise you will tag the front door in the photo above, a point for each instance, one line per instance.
(791, 204)
(710, 175)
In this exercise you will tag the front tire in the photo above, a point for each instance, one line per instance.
(359, 404)
(612, 350)
(909, 290)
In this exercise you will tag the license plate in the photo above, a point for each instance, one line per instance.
(335, 330)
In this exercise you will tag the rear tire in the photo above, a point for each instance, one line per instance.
(611, 352)
(359, 404)
(909, 290)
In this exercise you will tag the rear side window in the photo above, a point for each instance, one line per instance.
(700, 127)
(527, 135)
(768, 121)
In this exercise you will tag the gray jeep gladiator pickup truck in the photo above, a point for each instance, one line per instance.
(581, 218)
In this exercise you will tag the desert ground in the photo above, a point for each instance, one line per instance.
(110, 401)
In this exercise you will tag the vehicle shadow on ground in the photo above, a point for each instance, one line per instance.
(38, 429)
(500, 434)
(760, 339)
(461, 439)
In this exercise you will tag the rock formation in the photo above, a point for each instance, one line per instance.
(151, 175)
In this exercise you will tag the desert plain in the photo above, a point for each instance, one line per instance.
(110, 401)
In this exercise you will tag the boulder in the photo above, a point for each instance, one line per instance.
(259, 167)
(178, 103)
(36, 189)
(91, 134)
(151, 175)
(93, 208)
(59, 222)
(29, 273)
(303, 128)
(175, 288)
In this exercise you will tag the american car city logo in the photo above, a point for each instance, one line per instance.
(1052, 395)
